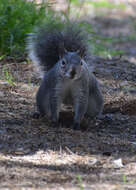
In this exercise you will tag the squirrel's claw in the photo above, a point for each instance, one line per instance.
(37, 115)
(76, 126)
(55, 124)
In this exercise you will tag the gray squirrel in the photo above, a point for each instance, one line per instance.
(62, 55)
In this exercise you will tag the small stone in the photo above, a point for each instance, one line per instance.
(118, 163)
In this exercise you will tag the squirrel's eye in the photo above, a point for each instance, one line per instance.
(63, 62)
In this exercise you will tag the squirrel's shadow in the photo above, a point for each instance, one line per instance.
(66, 120)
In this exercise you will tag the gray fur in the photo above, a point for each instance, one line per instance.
(69, 81)
(82, 91)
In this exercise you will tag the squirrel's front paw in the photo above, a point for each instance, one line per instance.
(55, 124)
(76, 126)
(37, 115)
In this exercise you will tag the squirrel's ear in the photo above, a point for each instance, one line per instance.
(62, 50)
(62, 53)
(80, 53)
(65, 51)
(60, 56)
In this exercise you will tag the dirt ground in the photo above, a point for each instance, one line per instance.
(101, 156)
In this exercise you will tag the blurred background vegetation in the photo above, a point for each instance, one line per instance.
(18, 18)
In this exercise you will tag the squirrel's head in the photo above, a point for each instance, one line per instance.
(71, 65)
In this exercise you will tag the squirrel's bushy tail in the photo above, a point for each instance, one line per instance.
(49, 43)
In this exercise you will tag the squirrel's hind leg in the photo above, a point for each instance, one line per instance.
(55, 106)
(80, 108)
(37, 115)
(95, 104)
(42, 101)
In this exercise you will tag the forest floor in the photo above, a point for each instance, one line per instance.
(100, 156)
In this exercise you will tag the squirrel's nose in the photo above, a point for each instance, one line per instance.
(72, 73)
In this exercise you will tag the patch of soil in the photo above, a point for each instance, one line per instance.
(102, 155)
(35, 155)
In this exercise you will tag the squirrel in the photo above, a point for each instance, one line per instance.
(67, 78)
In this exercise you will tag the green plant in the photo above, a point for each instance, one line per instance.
(80, 182)
(17, 18)
(8, 76)
(125, 181)
(106, 4)
(100, 45)
(76, 7)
